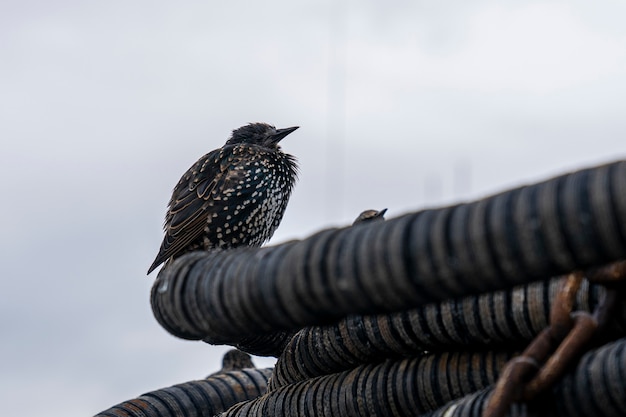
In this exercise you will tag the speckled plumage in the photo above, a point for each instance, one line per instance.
(233, 196)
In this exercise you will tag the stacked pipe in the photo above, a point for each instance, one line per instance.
(502, 319)
(594, 388)
(405, 316)
(530, 233)
(202, 398)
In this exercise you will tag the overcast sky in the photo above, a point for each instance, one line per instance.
(103, 105)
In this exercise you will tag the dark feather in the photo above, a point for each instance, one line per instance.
(226, 187)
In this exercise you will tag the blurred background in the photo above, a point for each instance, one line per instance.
(402, 104)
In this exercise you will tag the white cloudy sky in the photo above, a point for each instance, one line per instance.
(103, 105)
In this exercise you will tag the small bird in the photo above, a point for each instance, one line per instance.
(235, 360)
(369, 216)
(233, 196)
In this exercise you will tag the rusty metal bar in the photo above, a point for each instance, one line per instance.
(556, 348)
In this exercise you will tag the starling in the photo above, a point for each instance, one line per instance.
(233, 196)
(370, 215)
(235, 360)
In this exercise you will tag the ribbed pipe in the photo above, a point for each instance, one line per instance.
(503, 318)
(270, 344)
(403, 387)
(472, 406)
(202, 398)
(596, 388)
(569, 222)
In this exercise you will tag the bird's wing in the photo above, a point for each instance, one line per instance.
(192, 202)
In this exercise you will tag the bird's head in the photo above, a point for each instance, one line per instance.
(260, 134)
(370, 215)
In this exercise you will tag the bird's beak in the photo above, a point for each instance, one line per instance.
(381, 213)
(281, 133)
